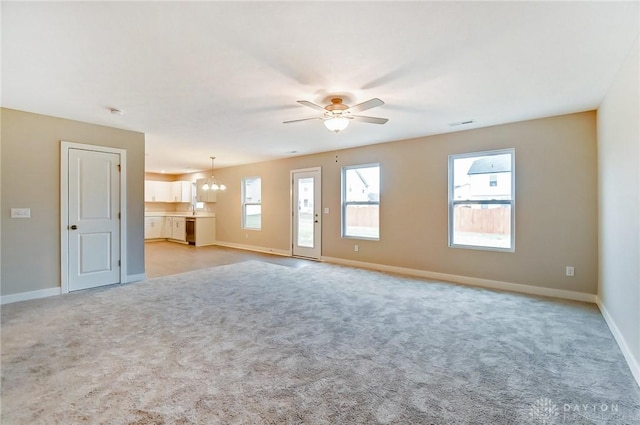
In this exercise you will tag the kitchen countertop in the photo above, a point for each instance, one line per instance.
(179, 214)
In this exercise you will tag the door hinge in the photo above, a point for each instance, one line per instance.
(119, 216)
(119, 167)
(119, 263)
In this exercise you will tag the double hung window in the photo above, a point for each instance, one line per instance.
(361, 201)
(252, 203)
(482, 200)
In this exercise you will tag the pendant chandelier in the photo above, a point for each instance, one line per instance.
(211, 183)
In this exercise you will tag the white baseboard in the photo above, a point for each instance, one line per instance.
(471, 281)
(52, 292)
(633, 363)
(255, 248)
(136, 277)
(31, 295)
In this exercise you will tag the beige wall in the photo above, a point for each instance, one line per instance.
(619, 206)
(556, 203)
(31, 179)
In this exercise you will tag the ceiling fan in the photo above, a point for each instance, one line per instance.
(336, 116)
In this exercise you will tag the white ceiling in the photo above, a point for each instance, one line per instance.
(218, 78)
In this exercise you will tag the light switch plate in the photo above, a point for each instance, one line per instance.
(20, 212)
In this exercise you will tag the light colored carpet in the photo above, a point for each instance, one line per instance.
(258, 343)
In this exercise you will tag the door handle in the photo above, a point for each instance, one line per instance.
(73, 227)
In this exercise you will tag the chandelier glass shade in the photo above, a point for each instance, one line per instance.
(211, 183)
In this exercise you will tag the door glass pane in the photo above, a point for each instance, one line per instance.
(305, 212)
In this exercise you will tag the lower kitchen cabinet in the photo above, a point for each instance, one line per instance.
(175, 229)
(178, 228)
(153, 227)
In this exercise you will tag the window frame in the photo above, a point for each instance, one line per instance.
(453, 202)
(243, 210)
(345, 203)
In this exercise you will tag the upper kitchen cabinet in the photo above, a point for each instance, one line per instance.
(205, 195)
(156, 191)
(180, 191)
(160, 191)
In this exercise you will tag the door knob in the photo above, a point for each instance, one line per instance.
(73, 227)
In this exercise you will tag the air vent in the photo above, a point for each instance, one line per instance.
(456, 124)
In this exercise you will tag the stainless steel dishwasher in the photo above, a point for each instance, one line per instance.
(190, 228)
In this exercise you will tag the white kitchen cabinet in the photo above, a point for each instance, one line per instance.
(153, 227)
(205, 195)
(178, 228)
(157, 191)
(180, 191)
(166, 227)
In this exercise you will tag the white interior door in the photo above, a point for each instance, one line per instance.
(307, 226)
(93, 219)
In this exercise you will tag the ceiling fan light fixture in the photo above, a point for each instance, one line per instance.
(336, 124)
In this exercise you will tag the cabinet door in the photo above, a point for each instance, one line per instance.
(149, 192)
(200, 194)
(156, 191)
(163, 191)
(175, 191)
(166, 227)
(148, 227)
(153, 227)
(205, 195)
(186, 192)
(178, 229)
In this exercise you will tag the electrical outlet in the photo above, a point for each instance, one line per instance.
(355, 248)
(570, 271)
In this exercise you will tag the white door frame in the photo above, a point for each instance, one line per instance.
(64, 208)
(291, 197)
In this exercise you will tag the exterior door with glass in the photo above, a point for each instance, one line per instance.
(306, 213)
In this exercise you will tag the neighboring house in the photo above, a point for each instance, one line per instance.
(305, 196)
(359, 189)
(253, 190)
(490, 178)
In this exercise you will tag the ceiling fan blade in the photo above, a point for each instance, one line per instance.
(371, 120)
(371, 103)
(303, 119)
(311, 105)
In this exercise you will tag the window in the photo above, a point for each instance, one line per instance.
(252, 203)
(361, 201)
(481, 200)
